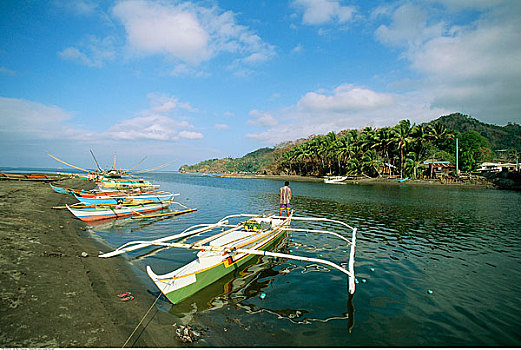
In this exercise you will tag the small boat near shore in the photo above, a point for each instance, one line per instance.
(235, 246)
(122, 198)
(32, 177)
(119, 184)
(102, 212)
(335, 179)
(101, 192)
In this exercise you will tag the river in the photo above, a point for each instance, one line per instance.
(437, 266)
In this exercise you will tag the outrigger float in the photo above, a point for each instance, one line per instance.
(223, 252)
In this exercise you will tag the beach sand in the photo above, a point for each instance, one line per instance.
(51, 295)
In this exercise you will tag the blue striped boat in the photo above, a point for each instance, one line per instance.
(157, 197)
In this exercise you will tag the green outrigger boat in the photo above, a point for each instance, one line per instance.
(231, 249)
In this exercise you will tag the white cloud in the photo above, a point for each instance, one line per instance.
(344, 99)
(161, 28)
(93, 53)
(346, 107)
(222, 126)
(77, 7)
(298, 49)
(29, 120)
(320, 12)
(473, 69)
(162, 103)
(191, 135)
(188, 33)
(263, 119)
(74, 54)
(408, 27)
(154, 127)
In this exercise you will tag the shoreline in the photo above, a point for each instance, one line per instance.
(362, 181)
(52, 294)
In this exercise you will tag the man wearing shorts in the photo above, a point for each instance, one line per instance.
(285, 198)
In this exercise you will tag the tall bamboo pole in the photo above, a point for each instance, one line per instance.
(457, 167)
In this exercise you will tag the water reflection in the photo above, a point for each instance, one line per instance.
(462, 244)
(247, 289)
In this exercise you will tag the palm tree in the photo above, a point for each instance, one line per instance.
(420, 140)
(382, 143)
(411, 164)
(329, 142)
(402, 137)
(367, 137)
(438, 132)
(371, 162)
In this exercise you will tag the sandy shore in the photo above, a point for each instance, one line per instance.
(51, 295)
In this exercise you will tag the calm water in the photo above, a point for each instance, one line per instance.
(462, 244)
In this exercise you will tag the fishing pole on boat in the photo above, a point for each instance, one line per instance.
(96, 161)
(135, 166)
(61, 161)
(152, 169)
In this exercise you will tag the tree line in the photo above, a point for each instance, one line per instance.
(398, 150)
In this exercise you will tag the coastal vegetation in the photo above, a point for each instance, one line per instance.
(399, 150)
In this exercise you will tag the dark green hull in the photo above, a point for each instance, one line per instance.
(207, 277)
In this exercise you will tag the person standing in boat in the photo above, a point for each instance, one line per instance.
(285, 198)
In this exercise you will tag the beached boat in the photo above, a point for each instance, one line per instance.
(100, 192)
(123, 198)
(231, 249)
(32, 177)
(102, 212)
(62, 190)
(335, 179)
(125, 183)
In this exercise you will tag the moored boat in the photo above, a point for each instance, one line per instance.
(32, 177)
(122, 198)
(62, 190)
(125, 183)
(102, 212)
(98, 192)
(335, 179)
(229, 250)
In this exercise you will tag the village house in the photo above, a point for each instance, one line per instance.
(496, 166)
(435, 168)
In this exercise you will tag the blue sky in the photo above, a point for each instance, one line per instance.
(187, 81)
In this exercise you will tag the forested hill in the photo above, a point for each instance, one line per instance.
(250, 163)
(318, 154)
(499, 137)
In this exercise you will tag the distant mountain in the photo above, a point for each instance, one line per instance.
(266, 160)
(253, 162)
(499, 137)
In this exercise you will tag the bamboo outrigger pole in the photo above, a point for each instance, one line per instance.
(73, 166)
(130, 246)
(172, 213)
(135, 166)
(152, 169)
